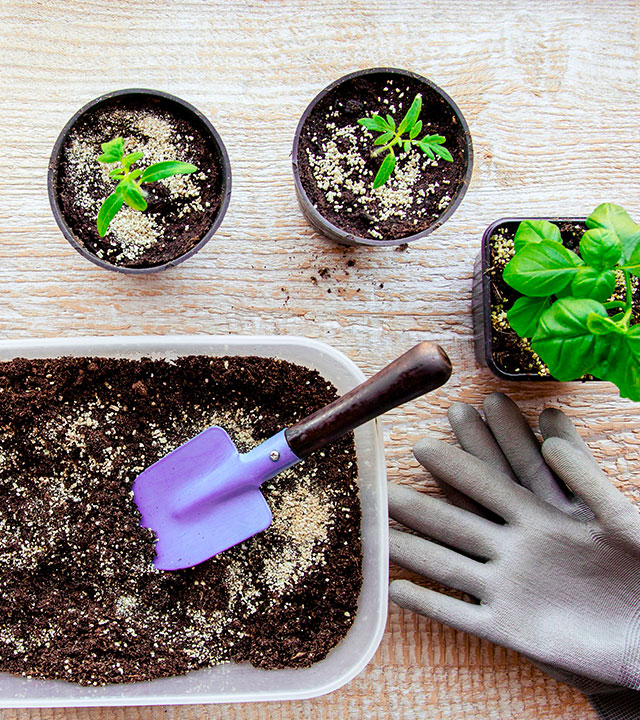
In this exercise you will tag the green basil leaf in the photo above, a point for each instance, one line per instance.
(108, 210)
(117, 173)
(412, 115)
(132, 195)
(633, 264)
(407, 146)
(525, 314)
(113, 148)
(391, 122)
(541, 269)
(616, 219)
(591, 283)
(563, 340)
(443, 152)
(601, 248)
(620, 363)
(535, 231)
(415, 130)
(166, 169)
(383, 139)
(375, 123)
(599, 325)
(384, 173)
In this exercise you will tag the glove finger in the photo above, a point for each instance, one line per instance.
(476, 438)
(441, 521)
(437, 606)
(461, 500)
(554, 423)
(522, 450)
(474, 478)
(436, 562)
(608, 504)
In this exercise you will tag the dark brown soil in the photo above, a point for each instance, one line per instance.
(180, 222)
(511, 353)
(435, 188)
(79, 597)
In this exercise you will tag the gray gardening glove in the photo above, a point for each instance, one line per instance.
(557, 574)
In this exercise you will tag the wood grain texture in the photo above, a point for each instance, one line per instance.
(550, 93)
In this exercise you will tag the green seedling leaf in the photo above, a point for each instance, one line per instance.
(112, 151)
(432, 146)
(128, 188)
(563, 339)
(443, 152)
(413, 113)
(415, 130)
(383, 139)
(426, 149)
(384, 173)
(131, 158)
(166, 169)
(616, 219)
(525, 315)
(375, 123)
(411, 125)
(601, 248)
(592, 283)
(541, 269)
(132, 195)
(108, 210)
(108, 158)
(535, 231)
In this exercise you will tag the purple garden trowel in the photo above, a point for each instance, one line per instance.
(204, 497)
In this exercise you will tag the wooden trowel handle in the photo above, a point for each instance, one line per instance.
(420, 370)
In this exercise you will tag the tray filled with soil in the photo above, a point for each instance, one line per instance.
(177, 215)
(87, 619)
(337, 158)
(497, 345)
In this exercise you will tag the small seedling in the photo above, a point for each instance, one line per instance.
(578, 322)
(411, 127)
(128, 189)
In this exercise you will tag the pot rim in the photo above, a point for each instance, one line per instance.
(486, 329)
(52, 176)
(337, 233)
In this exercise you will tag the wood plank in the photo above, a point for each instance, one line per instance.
(550, 93)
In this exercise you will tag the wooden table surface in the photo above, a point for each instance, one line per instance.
(550, 91)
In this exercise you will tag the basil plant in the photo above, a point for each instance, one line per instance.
(578, 309)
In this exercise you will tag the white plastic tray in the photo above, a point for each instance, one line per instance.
(233, 682)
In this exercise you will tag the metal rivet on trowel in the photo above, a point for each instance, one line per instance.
(274, 455)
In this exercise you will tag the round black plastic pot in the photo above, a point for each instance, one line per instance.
(481, 303)
(178, 107)
(320, 223)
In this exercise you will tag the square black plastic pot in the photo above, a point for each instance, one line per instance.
(481, 301)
